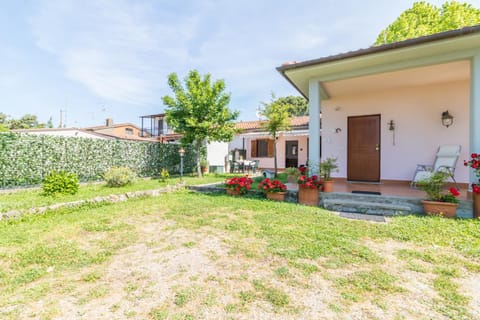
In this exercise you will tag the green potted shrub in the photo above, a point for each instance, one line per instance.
(204, 165)
(292, 174)
(326, 168)
(438, 202)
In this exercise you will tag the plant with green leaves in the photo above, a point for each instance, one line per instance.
(164, 175)
(297, 106)
(426, 19)
(119, 176)
(326, 168)
(60, 182)
(433, 186)
(199, 111)
(278, 119)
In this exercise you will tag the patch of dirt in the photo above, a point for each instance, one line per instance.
(207, 274)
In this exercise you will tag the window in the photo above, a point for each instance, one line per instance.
(262, 148)
(128, 131)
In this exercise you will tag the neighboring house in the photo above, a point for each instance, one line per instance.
(65, 132)
(121, 130)
(382, 106)
(156, 126)
(255, 143)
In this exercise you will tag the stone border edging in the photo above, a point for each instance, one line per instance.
(113, 198)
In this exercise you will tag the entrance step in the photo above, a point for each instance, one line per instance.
(366, 207)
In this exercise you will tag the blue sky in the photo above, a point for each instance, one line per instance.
(110, 58)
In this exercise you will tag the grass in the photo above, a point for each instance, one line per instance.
(68, 247)
(26, 199)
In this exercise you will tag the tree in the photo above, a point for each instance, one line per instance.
(28, 121)
(425, 19)
(278, 119)
(50, 123)
(199, 111)
(297, 106)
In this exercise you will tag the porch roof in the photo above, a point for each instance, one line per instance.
(428, 51)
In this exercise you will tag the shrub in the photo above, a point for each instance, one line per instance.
(119, 176)
(164, 175)
(60, 182)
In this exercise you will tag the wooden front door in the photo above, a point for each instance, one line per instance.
(363, 162)
(291, 154)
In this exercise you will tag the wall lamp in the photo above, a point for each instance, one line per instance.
(447, 119)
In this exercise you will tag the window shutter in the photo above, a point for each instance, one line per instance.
(253, 150)
(270, 148)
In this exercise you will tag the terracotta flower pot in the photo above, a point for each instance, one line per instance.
(327, 186)
(277, 196)
(308, 196)
(233, 192)
(476, 205)
(445, 209)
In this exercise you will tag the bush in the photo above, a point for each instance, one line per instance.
(60, 182)
(119, 176)
(164, 175)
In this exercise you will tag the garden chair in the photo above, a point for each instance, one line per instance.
(254, 166)
(445, 160)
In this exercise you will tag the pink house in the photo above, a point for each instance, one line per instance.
(382, 106)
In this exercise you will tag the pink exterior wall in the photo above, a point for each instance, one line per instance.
(416, 112)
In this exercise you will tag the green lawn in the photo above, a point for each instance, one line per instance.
(26, 199)
(235, 257)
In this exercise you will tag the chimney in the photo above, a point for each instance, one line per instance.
(109, 122)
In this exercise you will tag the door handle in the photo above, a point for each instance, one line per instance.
(377, 147)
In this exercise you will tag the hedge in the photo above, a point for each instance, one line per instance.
(25, 159)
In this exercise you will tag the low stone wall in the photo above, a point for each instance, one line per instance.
(114, 198)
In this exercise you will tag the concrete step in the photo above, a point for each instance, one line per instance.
(366, 207)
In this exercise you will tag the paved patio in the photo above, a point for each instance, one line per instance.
(388, 188)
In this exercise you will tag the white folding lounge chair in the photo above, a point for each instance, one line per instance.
(445, 160)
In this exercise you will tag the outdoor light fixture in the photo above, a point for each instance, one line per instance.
(447, 119)
(391, 125)
(182, 153)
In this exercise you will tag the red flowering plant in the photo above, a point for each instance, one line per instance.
(433, 186)
(268, 185)
(312, 182)
(474, 163)
(239, 184)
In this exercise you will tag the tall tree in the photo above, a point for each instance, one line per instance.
(28, 121)
(278, 119)
(425, 19)
(199, 111)
(297, 106)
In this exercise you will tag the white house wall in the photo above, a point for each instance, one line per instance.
(416, 112)
(216, 153)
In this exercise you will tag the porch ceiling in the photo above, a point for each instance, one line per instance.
(442, 73)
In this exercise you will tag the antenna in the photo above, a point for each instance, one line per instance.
(258, 113)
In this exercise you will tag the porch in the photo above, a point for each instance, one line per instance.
(387, 198)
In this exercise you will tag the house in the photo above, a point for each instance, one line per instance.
(121, 130)
(255, 143)
(382, 106)
(65, 132)
(155, 126)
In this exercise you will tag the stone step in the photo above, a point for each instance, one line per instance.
(374, 208)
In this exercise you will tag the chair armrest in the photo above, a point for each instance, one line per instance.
(424, 167)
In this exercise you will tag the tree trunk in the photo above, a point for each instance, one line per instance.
(199, 169)
(275, 153)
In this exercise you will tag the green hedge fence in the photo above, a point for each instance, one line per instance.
(25, 159)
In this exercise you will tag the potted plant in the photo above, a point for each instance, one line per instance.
(474, 163)
(308, 190)
(292, 174)
(204, 165)
(437, 202)
(238, 185)
(326, 168)
(273, 189)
